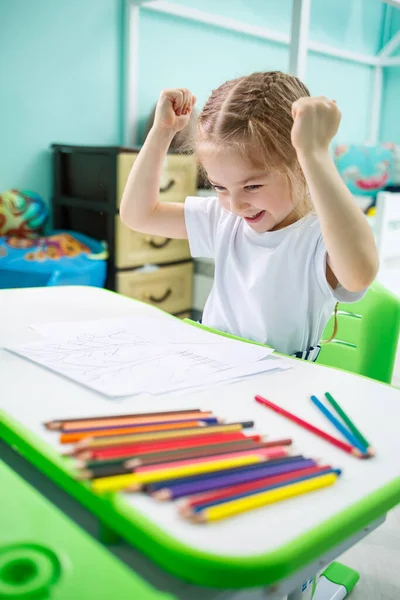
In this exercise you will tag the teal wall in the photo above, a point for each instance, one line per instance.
(201, 57)
(61, 69)
(390, 124)
(59, 82)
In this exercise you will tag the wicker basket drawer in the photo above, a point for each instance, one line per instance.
(178, 179)
(168, 288)
(133, 249)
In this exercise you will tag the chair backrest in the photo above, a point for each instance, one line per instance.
(367, 337)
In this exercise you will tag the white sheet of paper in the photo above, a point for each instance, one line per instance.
(120, 357)
(236, 374)
(149, 330)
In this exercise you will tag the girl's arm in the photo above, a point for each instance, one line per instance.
(140, 207)
(352, 254)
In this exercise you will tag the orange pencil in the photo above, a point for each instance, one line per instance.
(73, 437)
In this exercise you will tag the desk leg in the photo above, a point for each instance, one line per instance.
(291, 588)
(336, 582)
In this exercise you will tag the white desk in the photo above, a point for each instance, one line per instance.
(31, 395)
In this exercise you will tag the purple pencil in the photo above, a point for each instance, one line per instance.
(173, 492)
(166, 483)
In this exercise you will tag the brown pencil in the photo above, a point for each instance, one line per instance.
(131, 422)
(162, 457)
(74, 423)
(137, 448)
(76, 436)
(190, 452)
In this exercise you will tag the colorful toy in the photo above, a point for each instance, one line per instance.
(22, 213)
(63, 258)
(365, 169)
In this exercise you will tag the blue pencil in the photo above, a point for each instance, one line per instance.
(343, 430)
(297, 477)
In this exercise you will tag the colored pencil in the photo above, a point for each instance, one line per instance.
(336, 423)
(274, 483)
(135, 480)
(138, 421)
(140, 447)
(200, 500)
(266, 453)
(212, 450)
(144, 457)
(72, 437)
(173, 491)
(350, 423)
(147, 437)
(75, 422)
(230, 509)
(133, 424)
(130, 466)
(151, 487)
(322, 434)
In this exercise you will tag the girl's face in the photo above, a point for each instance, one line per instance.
(263, 199)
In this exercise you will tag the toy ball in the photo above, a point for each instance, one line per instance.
(22, 213)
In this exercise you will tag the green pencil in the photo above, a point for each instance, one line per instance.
(350, 424)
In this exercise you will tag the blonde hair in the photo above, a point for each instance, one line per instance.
(253, 115)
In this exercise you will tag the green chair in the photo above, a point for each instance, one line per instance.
(367, 335)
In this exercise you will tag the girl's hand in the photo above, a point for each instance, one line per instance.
(173, 109)
(316, 121)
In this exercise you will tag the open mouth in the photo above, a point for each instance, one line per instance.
(255, 218)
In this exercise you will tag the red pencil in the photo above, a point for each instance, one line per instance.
(232, 490)
(142, 448)
(329, 438)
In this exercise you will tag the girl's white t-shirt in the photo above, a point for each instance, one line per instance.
(268, 287)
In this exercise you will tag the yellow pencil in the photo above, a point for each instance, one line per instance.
(135, 480)
(235, 507)
(119, 440)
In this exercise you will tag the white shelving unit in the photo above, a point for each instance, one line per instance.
(387, 235)
(298, 42)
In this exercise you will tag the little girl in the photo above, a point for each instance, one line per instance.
(286, 236)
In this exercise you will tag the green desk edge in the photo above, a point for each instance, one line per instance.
(43, 554)
(201, 568)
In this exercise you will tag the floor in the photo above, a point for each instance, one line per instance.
(377, 559)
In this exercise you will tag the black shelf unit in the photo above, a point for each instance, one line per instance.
(85, 193)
